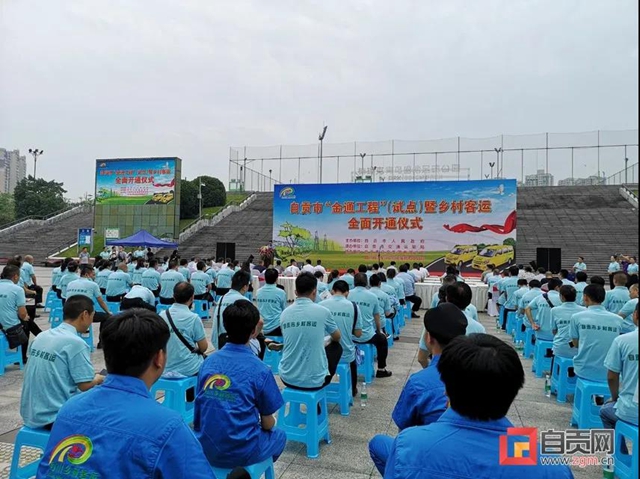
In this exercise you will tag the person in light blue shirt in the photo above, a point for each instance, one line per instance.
(138, 271)
(168, 280)
(564, 277)
(183, 361)
(561, 323)
(56, 274)
(28, 276)
(348, 277)
(272, 301)
(409, 283)
(223, 281)
(508, 286)
(465, 441)
(348, 318)
(384, 303)
(201, 281)
(237, 428)
(539, 310)
(85, 286)
(459, 294)
(499, 284)
(306, 363)
(70, 275)
(613, 268)
(632, 270)
(369, 308)
(131, 265)
(118, 284)
(581, 283)
(534, 292)
(322, 291)
(593, 332)
(423, 399)
(102, 276)
(151, 278)
(59, 366)
(184, 270)
(619, 295)
(138, 297)
(397, 284)
(239, 286)
(626, 312)
(12, 298)
(212, 274)
(518, 295)
(579, 265)
(334, 275)
(147, 438)
(622, 376)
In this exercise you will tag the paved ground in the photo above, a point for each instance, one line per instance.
(347, 456)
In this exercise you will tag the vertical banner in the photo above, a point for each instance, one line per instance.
(468, 224)
(85, 238)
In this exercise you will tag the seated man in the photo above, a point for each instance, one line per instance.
(85, 286)
(183, 269)
(539, 310)
(151, 278)
(349, 321)
(168, 281)
(118, 284)
(348, 278)
(188, 341)
(384, 303)
(372, 327)
(201, 282)
(306, 363)
(622, 375)
(322, 292)
(397, 284)
(239, 286)
(13, 310)
(423, 399)
(237, 398)
(120, 419)
(70, 275)
(617, 297)
(561, 323)
(482, 376)
(533, 293)
(508, 287)
(28, 275)
(626, 312)
(271, 303)
(581, 283)
(592, 332)
(564, 277)
(139, 297)
(409, 283)
(223, 279)
(59, 366)
(460, 295)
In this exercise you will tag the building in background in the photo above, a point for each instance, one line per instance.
(13, 168)
(591, 180)
(539, 179)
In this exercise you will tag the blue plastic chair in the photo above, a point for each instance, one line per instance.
(256, 471)
(114, 307)
(520, 334)
(162, 307)
(367, 367)
(175, 391)
(626, 465)
(8, 357)
(529, 343)
(201, 308)
(27, 437)
(273, 358)
(407, 310)
(316, 427)
(561, 384)
(340, 393)
(51, 300)
(398, 322)
(511, 324)
(388, 328)
(56, 314)
(586, 413)
(541, 362)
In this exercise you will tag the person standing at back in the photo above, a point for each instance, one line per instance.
(580, 265)
(616, 298)
(613, 268)
(308, 267)
(320, 268)
(272, 301)
(168, 281)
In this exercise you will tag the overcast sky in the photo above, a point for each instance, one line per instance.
(84, 79)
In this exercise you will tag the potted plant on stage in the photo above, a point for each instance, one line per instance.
(267, 254)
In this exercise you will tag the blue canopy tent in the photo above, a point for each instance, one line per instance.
(142, 238)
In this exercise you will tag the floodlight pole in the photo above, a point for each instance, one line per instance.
(35, 152)
(321, 138)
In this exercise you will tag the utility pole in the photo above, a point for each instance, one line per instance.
(321, 138)
(36, 153)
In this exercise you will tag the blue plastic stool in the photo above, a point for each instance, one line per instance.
(511, 324)
(398, 321)
(317, 426)
(388, 328)
(162, 307)
(586, 414)
(256, 471)
(626, 465)
(201, 308)
(175, 391)
(561, 384)
(520, 334)
(51, 300)
(8, 357)
(367, 367)
(27, 437)
(529, 345)
(113, 306)
(541, 362)
(272, 358)
(407, 310)
(55, 315)
(340, 393)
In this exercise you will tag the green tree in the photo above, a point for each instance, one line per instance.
(37, 197)
(510, 242)
(7, 208)
(189, 204)
(213, 191)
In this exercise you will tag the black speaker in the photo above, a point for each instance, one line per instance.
(549, 258)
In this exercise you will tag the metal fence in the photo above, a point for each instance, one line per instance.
(546, 159)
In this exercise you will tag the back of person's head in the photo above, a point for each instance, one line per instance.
(240, 279)
(620, 279)
(459, 294)
(392, 263)
(391, 273)
(595, 293)
(362, 268)
(445, 322)
(292, 262)
(235, 262)
(140, 263)
(75, 306)
(319, 262)
(308, 261)
(564, 274)
(10, 271)
(351, 271)
(184, 262)
(491, 266)
(131, 339)
(554, 283)
(318, 274)
(374, 281)
(522, 282)
(520, 266)
(172, 264)
(581, 277)
(534, 283)
(271, 276)
(183, 292)
(541, 270)
(153, 263)
(306, 283)
(375, 266)
(382, 276)
(568, 293)
(506, 273)
(528, 269)
(240, 319)
(415, 266)
(86, 270)
(340, 286)
(450, 270)
(597, 280)
(360, 279)
(278, 263)
(72, 267)
(334, 274)
(514, 270)
(449, 279)
(480, 362)
(403, 268)
(201, 265)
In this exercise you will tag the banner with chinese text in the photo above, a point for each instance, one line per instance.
(465, 223)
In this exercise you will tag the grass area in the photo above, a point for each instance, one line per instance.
(341, 260)
(234, 198)
(124, 200)
(98, 245)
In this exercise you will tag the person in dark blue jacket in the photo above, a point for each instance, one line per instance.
(482, 376)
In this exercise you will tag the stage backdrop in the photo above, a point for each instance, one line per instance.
(138, 193)
(466, 223)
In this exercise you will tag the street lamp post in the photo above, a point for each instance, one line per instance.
(200, 196)
(270, 184)
(498, 168)
(321, 138)
(36, 153)
(362, 155)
